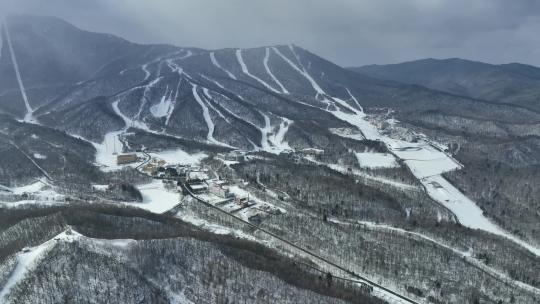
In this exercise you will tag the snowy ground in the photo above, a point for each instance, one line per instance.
(156, 198)
(347, 133)
(425, 161)
(467, 255)
(468, 213)
(26, 261)
(179, 156)
(376, 160)
(108, 150)
(40, 192)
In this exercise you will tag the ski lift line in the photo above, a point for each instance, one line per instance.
(364, 280)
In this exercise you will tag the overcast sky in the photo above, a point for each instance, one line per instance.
(348, 32)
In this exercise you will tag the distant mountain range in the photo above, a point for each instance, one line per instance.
(512, 83)
(381, 168)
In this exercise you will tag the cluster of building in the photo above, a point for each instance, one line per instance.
(195, 179)
(125, 159)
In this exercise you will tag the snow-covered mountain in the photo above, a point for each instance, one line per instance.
(244, 98)
(392, 174)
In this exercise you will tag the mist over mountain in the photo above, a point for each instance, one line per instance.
(156, 173)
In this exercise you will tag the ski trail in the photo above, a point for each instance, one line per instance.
(278, 139)
(302, 71)
(216, 63)
(265, 61)
(144, 67)
(32, 161)
(213, 81)
(144, 99)
(436, 186)
(355, 100)
(265, 144)
(147, 73)
(169, 114)
(189, 53)
(163, 108)
(207, 118)
(128, 121)
(466, 210)
(209, 97)
(246, 71)
(29, 112)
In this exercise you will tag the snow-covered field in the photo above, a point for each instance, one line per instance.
(468, 213)
(423, 159)
(376, 160)
(347, 133)
(156, 198)
(40, 193)
(179, 156)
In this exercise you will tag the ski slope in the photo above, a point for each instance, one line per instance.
(426, 162)
(274, 78)
(246, 71)
(27, 261)
(206, 115)
(217, 65)
(277, 139)
(144, 98)
(302, 72)
(468, 213)
(28, 117)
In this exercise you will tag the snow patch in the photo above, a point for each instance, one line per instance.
(156, 198)
(39, 156)
(179, 156)
(164, 107)
(376, 160)
(468, 213)
(278, 139)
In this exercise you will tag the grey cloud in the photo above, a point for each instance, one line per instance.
(348, 32)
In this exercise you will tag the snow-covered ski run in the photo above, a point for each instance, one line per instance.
(302, 72)
(246, 71)
(427, 164)
(207, 118)
(274, 78)
(217, 65)
(28, 117)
